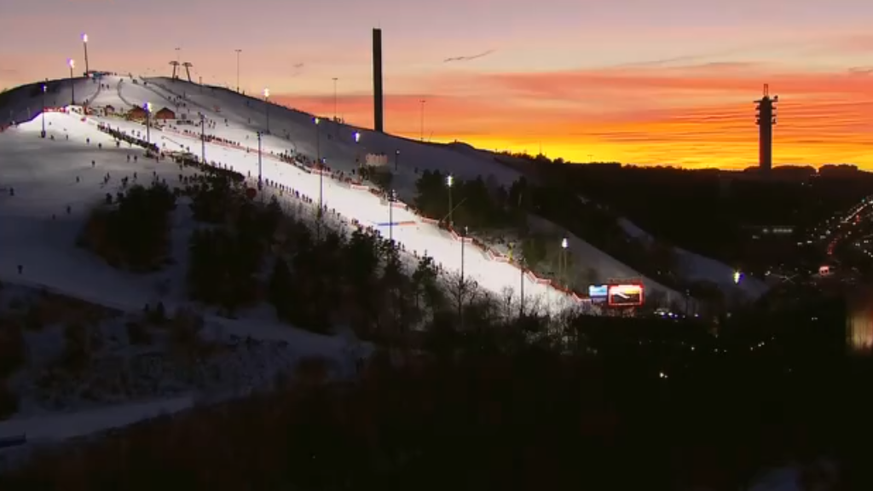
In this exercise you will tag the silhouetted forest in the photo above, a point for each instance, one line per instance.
(629, 404)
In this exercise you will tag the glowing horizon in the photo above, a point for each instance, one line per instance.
(671, 84)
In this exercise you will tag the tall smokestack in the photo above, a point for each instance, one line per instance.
(378, 122)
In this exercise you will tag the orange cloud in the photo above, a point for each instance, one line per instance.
(695, 116)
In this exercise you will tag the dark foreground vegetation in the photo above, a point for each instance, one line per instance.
(634, 405)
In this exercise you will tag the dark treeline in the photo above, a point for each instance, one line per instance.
(630, 404)
(496, 211)
(713, 213)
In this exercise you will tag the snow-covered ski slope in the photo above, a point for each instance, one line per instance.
(296, 131)
(458, 159)
(43, 173)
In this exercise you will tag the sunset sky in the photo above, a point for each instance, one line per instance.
(636, 81)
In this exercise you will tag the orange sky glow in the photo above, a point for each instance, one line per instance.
(689, 116)
(655, 82)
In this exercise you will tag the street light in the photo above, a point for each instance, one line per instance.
(202, 138)
(72, 64)
(357, 137)
(392, 196)
(320, 173)
(737, 277)
(267, 105)
(461, 286)
(148, 109)
(449, 182)
(521, 268)
(396, 159)
(42, 133)
(260, 176)
(238, 51)
(85, 44)
(563, 259)
(334, 98)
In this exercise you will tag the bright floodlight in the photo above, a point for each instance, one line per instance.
(317, 120)
(84, 38)
(357, 137)
(450, 180)
(148, 106)
(564, 243)
(43, 88)
(72, 63)
(266, 92)
(737, 277)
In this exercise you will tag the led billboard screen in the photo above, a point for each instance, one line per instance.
(625, 295)
(598, 291)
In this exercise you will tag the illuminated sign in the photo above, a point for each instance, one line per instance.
(625, 295)
(598, 291)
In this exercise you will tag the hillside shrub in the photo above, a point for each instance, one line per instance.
(134, 233)
(13, 349)
(8, 401)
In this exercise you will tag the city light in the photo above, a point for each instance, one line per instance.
(266, 93)
(450, 180)
(71, 63)
(357, 137)
(737, 277)
(84, 38)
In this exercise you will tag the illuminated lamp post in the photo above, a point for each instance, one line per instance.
(267, 105)
(563, 260)
(449, 182)
(392, 196)
(521, 268)
(42, 133)
(461, 285)
(334, 99)
(320, 174)
(238, 51)
(85, 45)
(260, 175)
(148, 109)
(396, 159)
(72, 64)
(357, 137)
(202, 138)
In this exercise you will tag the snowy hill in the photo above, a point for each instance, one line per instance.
(295, 132)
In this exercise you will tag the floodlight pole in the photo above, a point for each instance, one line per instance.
(267, 107)
(42, 134)
(521, 268)
(238, 51)
(449, 182)
(461, 285)
(260, 175)
(72, 84)
(391, 216)
(148, 110)
(202, 138)
(320, 174)
(85, 44)
(334, 99)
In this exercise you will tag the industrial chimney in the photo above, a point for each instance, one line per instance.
(378, 121)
